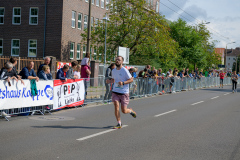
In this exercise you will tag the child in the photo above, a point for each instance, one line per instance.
(77, 72)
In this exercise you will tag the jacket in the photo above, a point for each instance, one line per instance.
(60, 74)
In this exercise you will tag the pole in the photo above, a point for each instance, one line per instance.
(89, 27)
(226, 59)
(105, 46)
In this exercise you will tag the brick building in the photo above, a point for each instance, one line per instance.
(30, 28)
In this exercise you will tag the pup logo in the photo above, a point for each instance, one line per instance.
(49, 92)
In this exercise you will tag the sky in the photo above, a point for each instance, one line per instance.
(223, 15)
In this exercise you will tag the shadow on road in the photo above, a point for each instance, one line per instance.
(219, 90)
(72, 127)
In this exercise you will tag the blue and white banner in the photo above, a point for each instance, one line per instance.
(18, 95)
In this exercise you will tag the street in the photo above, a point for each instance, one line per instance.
(192, 125)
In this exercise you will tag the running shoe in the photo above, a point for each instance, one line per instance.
(134, 114)
(118, 126)
(233, 91)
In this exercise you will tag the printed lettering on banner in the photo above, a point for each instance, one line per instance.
(68, 94)
(61, 64)
(18, 95)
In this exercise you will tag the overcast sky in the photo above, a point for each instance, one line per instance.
(223, 15)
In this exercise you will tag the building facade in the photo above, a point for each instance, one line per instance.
(30, 28)
(231, 57)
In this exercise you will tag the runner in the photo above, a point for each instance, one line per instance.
(234, 79)
(222, 75)
(120, 93)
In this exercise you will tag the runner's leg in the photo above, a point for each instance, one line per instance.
(117, 113)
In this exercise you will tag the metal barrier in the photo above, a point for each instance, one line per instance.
(98, 91)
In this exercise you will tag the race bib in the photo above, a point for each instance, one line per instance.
(116, 84)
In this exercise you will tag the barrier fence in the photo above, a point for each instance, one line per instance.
(56, 94)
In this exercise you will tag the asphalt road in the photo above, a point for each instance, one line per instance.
(194, 125)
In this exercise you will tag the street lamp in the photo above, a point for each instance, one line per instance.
(226, 55)
(105, 46)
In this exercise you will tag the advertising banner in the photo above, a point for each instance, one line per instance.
(68, 94)
(18, 95)
(61, 64)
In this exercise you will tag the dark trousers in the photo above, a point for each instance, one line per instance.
(234, 85)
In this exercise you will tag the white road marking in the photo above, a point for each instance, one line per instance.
(197, 103)
(226, 94)
(165, 113)
(98, 134)
(215, 97)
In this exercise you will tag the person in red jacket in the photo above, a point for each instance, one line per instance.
(221, 75)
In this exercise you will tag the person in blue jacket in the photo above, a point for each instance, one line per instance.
(62, 73)
(28, 72)
(45, 74)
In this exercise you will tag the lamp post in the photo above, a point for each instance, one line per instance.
(105, 45)
(226, 55)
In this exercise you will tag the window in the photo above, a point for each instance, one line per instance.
(80, 21)
(107, 2)
(15, 49)
(96, 23)
(32, 48)
(228, 64)
(92, 22)
(84, 50)
(72, 50)
(102, 3)
(86, 0)
(95, 53)
(92, 1)
(85, 21)
(97, 2)
(1, 46)
(73, 19)
(229, 58)
(157, 7)
(78, 50)
(16, 16)
(33, 18)
(2, 15)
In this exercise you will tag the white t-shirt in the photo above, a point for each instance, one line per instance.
(121, 75)
(77, 74)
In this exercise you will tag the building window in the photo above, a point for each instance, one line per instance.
(72, 50)
(157, 7)
(102, 3)
(229, 58)
(96, 23)
(107, 2)
(33, 18)
(228, 64)
(15, 49)
(86, 0)
(32, 48)
(95, 53)
(78, 50)
(80, 21)
(16, 16)
(92, 22)
(92, 1)
(73, 19)
(85, 22)
(1, 46)
(2, 15)
(84, 50)
(97, 2)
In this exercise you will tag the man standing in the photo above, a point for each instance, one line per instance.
(47, 61)
(120, 93)
(28, 72)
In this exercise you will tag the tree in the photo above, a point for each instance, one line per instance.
(133, 24)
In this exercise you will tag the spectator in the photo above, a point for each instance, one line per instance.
(13, 60)
(160, 71)
(62, 73)
(180, 74)
(86, 71)
(77, 73)
(174, 70)
(108, 75)
(186, 73)
(135, 73)
(47, 61)
(206, 73)
(45, 74)
(28, 72)
(7, 73)
(70, 72)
